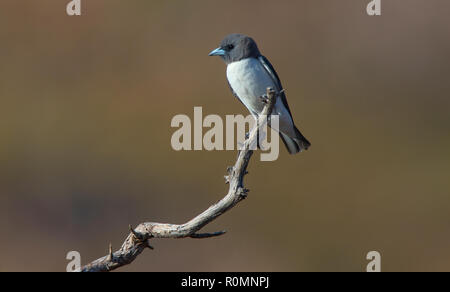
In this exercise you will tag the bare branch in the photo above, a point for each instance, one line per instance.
(138, 239)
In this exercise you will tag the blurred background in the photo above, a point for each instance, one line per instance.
(86, 104)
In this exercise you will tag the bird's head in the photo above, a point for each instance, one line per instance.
(236, 47)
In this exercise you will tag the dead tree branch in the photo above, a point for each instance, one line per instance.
(138, 239)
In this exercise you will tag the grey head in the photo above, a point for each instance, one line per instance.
(236, 47)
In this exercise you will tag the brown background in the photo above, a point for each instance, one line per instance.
(86, 104)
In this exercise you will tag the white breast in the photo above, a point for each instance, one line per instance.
(249, 80)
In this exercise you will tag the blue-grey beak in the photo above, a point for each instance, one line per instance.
(217, 52)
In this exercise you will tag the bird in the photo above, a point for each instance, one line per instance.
(249, 74)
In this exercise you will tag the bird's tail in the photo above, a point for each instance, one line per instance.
(295, 144)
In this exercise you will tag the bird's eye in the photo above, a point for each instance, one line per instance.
(229, 47)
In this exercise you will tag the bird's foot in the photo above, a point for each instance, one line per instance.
(264, 98)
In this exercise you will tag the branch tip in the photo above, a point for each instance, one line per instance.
(149, 246)
(207, 235)
(110, 254)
